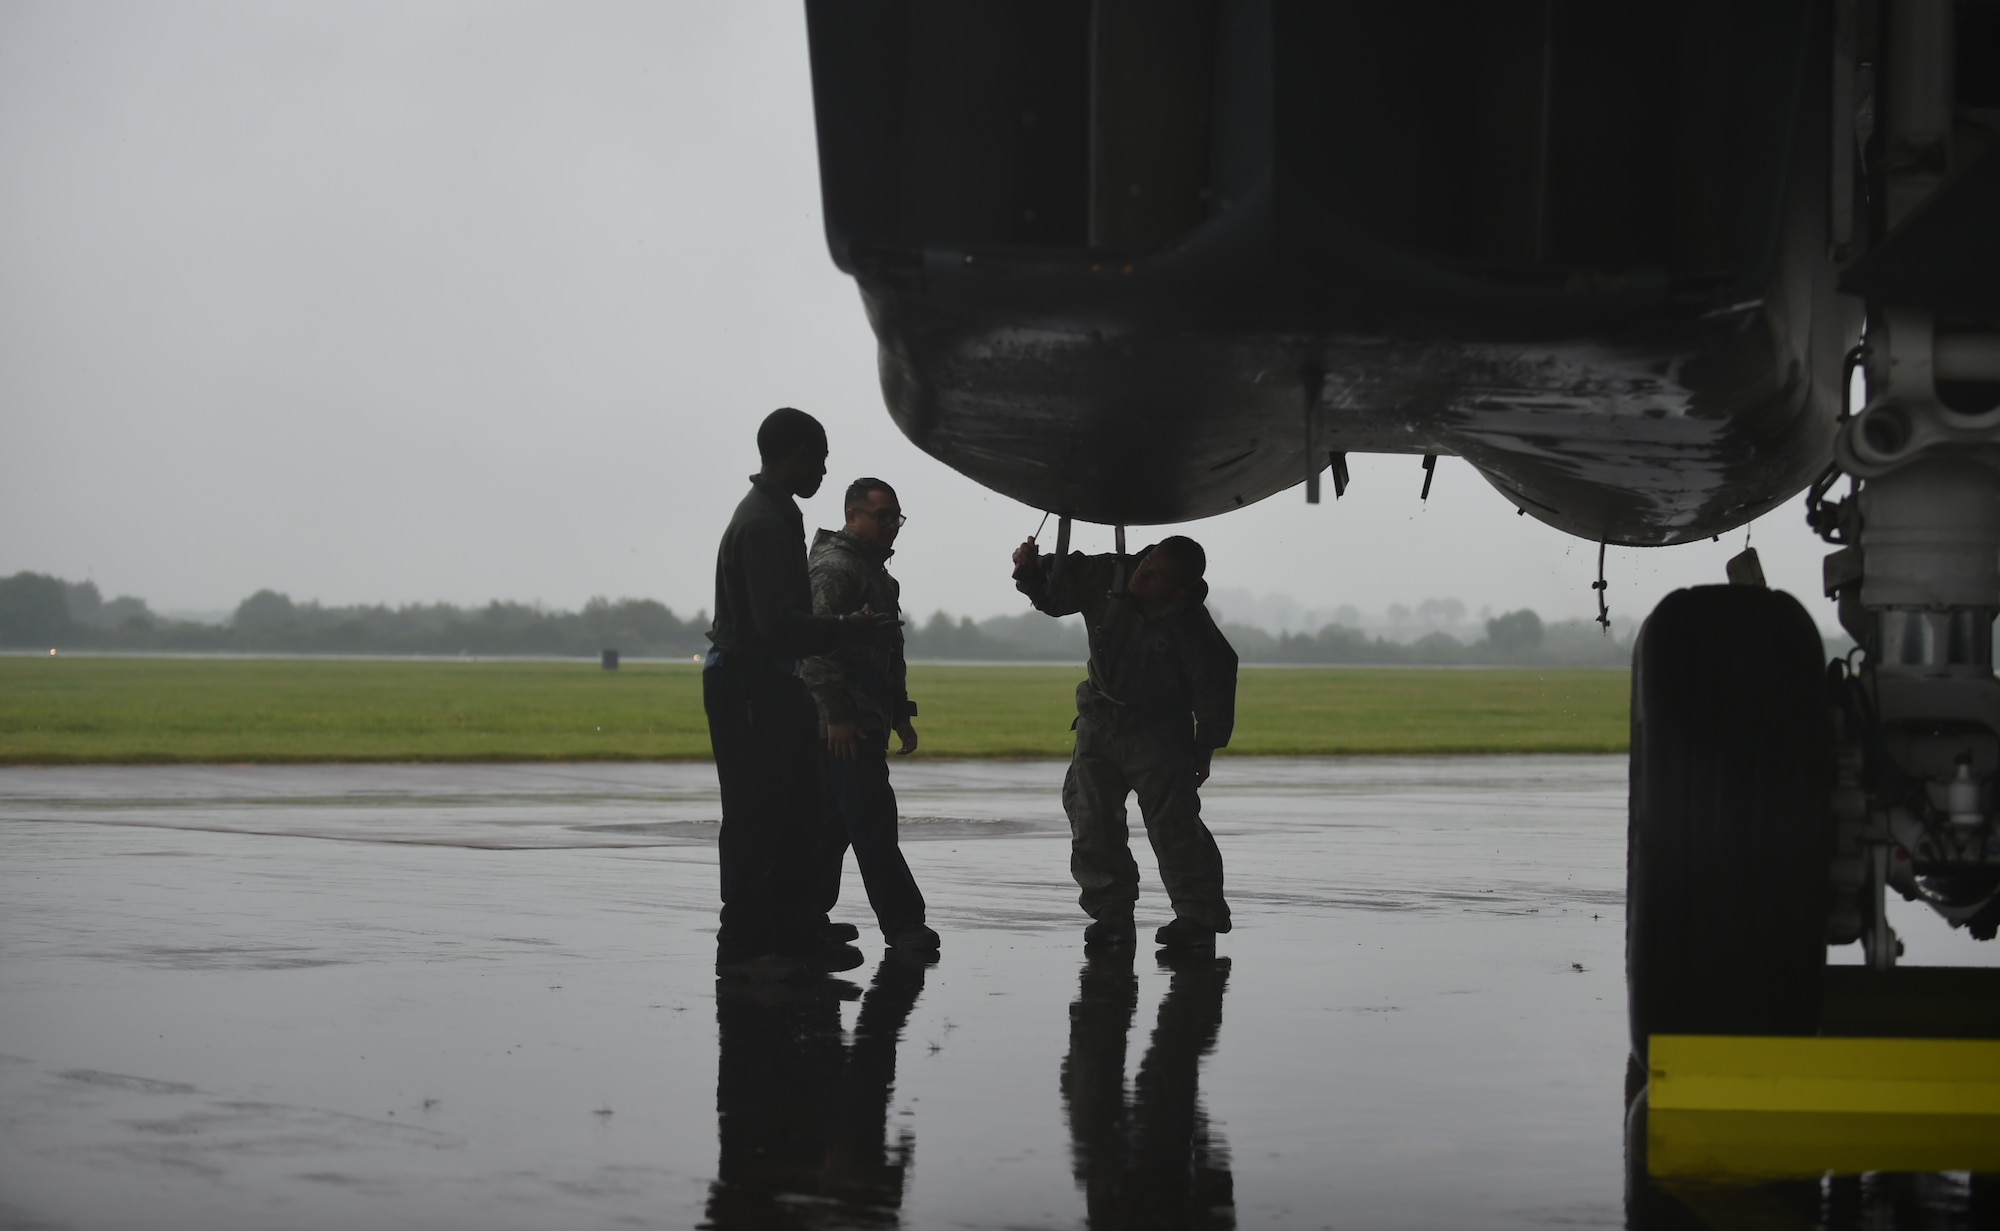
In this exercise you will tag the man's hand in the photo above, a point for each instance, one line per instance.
(841, 739)
(868, 622)
(908, 735)
(1202, 759)
(1027, 553)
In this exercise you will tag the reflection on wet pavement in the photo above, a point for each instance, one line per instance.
(1868, 1201)
(1150, 1158)
(466, 996)
(802, 1115)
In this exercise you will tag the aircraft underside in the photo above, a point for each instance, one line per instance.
(1143, 263)
(1140, 262)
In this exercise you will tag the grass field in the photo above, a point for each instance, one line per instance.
(159, 710)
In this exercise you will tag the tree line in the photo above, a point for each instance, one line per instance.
(38, 612)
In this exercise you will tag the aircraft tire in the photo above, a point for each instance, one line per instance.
(1730, 837)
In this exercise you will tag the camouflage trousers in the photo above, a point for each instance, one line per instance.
(1157, 764)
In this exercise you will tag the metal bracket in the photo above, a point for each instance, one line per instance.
(1313, 381)
(1879, 942)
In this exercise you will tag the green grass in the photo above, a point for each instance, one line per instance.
(57, 711)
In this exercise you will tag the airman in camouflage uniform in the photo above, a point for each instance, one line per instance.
(1159, 700)
(862, 695)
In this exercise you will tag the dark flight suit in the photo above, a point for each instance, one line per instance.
(762, 725)
(1161, 690)
(865, 683)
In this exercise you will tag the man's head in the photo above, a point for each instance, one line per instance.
(1171, 569)
(792, 445)
(873, 512)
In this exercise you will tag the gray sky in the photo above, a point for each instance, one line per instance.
(466, 300)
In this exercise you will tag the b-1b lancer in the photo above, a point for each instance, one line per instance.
(1142, 261)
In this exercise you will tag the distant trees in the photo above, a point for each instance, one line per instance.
(263, 611)
(1515, 632)
(34, 609)
(38, 611)
(89, 608)
(1445, 611)
(1518, 638)
(84, 601)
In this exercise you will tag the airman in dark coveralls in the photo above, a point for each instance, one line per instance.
(761, 721)
(863, 695)
(1159, 700)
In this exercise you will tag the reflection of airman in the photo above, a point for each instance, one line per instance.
(1159, 700)
(1152, 1160)
(799, 1115)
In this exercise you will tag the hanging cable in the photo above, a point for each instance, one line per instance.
(1600, 585)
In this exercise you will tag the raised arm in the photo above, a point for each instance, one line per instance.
(1064, 590)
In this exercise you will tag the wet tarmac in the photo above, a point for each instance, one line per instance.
(454, 997)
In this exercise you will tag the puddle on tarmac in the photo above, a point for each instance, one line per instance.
(435, 996)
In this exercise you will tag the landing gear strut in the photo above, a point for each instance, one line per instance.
(1773, 807)
(1917, 578)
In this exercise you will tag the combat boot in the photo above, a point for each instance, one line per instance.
(1110, 934)
(914, 936)
(1185, 934)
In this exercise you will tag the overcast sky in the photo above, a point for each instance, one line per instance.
(394, 302)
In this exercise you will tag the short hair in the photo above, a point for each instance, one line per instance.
(785, 431)
(1185, 552)
(858, 490)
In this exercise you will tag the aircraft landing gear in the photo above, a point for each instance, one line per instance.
(1776, 802)
(1904, 794)
(1918, 582)
(1730, 841)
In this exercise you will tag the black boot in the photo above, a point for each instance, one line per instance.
(1110, 934)
(1185, 934)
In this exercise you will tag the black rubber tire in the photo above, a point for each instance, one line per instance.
(1730, 837)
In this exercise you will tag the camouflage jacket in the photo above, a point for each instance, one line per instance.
(1149, 663)
(861, 681)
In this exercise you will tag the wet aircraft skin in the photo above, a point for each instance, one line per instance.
(1150, 263)
(459, 996)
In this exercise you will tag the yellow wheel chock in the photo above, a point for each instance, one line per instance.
(1728, 1107)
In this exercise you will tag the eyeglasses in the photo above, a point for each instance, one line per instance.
(883, 516)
